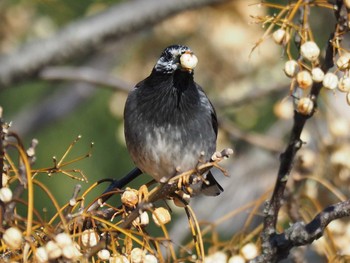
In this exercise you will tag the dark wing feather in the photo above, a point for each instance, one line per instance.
(213, 188)
(210, 107)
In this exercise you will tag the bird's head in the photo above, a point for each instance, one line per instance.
(176, 57)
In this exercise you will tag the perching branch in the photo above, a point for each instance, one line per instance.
(87, 34)
(160, 192)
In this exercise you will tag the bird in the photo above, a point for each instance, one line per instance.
(169, 122)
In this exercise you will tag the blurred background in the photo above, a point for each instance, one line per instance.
(82, 88)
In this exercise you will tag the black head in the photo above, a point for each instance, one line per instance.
(176, 57)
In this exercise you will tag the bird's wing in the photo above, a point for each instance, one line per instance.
(209, 106)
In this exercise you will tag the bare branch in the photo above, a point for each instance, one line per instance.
(85, 74)
(87, 34)
(300, 234)
(61, 102)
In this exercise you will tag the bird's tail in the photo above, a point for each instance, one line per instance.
(213, 188)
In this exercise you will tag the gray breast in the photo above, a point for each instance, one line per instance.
(164, 151)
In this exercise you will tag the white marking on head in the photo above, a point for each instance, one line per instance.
(169, 61)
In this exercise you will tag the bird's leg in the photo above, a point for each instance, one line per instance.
(116, 185)
(199, 172)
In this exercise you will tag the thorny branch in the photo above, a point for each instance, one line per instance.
(277, 246)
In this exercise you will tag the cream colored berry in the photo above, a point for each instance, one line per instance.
(236, 259)
(63, 239)
(344, 84)
(142, 220)
(188, 61)
(5, 194)
(118, 259)
(161, 216)
(41, 255)
(317, 74)
(291, 68)
(89, 238)
(104, 254)
(130, 197)
(305, 106)
(280, 36)
(70, 252)
(53, 250)
(310, 50)
(304, 79)
(330, 81)
(13, 237)
(137, 255)
(150, 259)
(217, 257)
(249, 251)
(343, 61)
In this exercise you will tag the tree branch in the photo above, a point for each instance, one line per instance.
(87, 34)
(275, 246)
(300, 234)
(86, 74)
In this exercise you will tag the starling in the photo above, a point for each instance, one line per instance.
(170, 124)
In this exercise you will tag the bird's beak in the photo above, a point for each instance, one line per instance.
(188, 61)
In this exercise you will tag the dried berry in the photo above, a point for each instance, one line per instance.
(310, 50)
(317, 74)
(304, 79)
(161, 216)
(130, 197)
(305, 106)
(344, 84)
(291, 68)
(13, 237)
(343, 61)
(188, 61)
(280, 36)
(330, 81)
